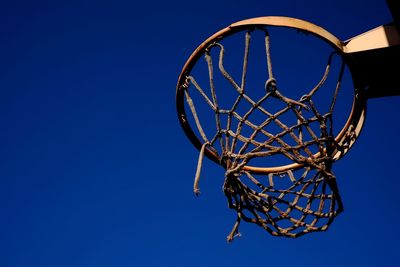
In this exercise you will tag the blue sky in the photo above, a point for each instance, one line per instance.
(96, 171)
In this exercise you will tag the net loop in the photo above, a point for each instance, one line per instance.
(270, 85)
(196, 188)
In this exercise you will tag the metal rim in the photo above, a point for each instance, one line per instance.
(347, 135)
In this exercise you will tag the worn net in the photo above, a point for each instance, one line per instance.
(288, 203)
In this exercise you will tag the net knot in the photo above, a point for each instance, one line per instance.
(270, 85)
(305, 98)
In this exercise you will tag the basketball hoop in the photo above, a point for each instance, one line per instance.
(294, 198)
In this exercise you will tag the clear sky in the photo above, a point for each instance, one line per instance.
(96, 171)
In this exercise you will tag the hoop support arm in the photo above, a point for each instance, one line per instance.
(375, 55)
